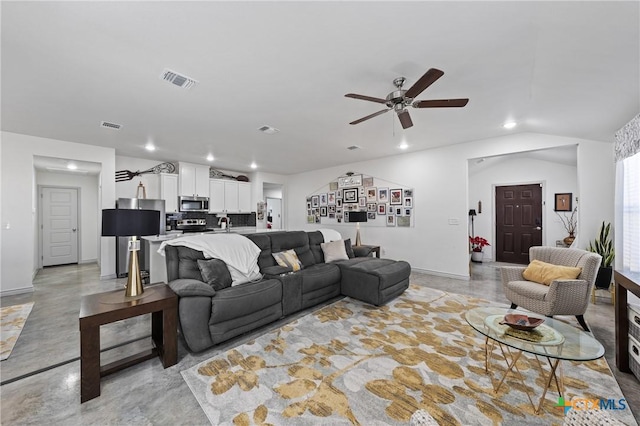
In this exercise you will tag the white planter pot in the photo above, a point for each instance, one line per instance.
(476, 256)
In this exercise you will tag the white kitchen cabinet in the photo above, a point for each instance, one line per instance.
(194, 180)
(229, 196)
(169, 192)
(216, 196)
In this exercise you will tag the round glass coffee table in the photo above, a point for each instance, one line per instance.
(554, 340)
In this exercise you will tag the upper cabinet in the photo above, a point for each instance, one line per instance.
(169, 192)
(194, 180)
(229, 196)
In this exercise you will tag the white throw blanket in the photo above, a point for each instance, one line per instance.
(330, 235)
(239, 253)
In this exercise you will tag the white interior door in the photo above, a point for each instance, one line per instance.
(59, 226)
(274, 211)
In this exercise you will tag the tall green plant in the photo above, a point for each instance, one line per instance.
(603, 245)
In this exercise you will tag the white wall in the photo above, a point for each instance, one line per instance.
(19, 209)
(440, 182)
(555, 178)
(88, 226)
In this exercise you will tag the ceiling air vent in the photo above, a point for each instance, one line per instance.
(108, 125)
(353, 147)
(268, 130)
(178, 79)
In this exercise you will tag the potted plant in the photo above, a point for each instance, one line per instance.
(603, 245)
(477, 244)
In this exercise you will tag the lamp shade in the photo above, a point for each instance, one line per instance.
(357, 216)
(129, 223)
(472, 212)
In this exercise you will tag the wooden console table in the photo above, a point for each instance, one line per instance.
(105, 308)
(625, 281)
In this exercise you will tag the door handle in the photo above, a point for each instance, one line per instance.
(73, 229)
(537, 228)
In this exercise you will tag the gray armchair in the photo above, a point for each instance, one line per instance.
(562, 297)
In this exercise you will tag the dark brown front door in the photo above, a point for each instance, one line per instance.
(518, 222)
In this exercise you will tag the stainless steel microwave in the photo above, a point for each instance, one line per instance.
(193, 204)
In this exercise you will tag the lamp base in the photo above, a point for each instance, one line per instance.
(134, 281)
(358, 242)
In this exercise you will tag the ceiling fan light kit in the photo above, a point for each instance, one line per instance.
(400, 99)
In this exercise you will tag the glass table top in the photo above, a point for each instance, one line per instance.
(559, 339)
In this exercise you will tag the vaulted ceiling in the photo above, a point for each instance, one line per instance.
(563, 68)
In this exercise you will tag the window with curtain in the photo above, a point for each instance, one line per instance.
(631, 213)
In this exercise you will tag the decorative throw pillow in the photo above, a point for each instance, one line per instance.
(348, 248)
(215, 273)
(289, 259)
(334, 250)
(545, 273)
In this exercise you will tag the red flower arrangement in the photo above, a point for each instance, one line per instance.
(477, 243)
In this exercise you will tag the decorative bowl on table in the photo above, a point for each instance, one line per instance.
(521, 322)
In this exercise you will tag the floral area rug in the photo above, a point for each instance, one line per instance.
(353, 363)
(12, 320)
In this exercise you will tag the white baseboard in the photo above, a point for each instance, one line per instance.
(82, 262)
(16, 291)
(443, 274)
(108, 277)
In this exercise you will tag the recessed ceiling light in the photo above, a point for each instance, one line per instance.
(509, 125)
(149, 147)
(210, 157)
(254, 165)
(403, 145)
(72, 166)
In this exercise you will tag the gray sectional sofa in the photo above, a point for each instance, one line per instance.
(208, 317)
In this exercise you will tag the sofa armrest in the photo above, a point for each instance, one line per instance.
(512, 273)
(570, 297)
(185, 287)
(362, 251)
(273, 271)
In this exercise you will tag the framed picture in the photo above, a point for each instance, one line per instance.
(391, 220)
(323, 199)
(323, 211)
(396, 196)
(382, 209)
(311, 218)
(367, 181)
(372, 195)
(315, 201)
(563, 202)
(398, 211)
(372, 207)
(391, 209)
(403, 221)
(408, 192)
(333, 186)
(407, 212)
(361, 192)
(362, 202)
(350, 195)
(331, 198)
(347, 181)
(338, 202)
(332, 215)
(308, 204)
(339, 194)
(371, 215)
(383, 195)
(408, 202)
(331, 209)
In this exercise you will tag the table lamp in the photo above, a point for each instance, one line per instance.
(131, 223)
(357, 217)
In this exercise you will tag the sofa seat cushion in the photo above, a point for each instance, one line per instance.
(244, 299)
(318, 276)
(529, 289)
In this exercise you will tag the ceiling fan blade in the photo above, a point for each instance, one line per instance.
(425, 81)
(405, 119)
(375, 114)
(366, 98)
(440, 103)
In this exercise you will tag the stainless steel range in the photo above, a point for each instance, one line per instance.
(191, 225)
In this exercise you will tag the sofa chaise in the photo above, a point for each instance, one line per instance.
(208, 317)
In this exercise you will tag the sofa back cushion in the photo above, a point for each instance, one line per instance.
(296, 240)
(182, 262)
(315, 239)
(263, 242)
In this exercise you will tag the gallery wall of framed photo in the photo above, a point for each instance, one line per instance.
(386, 203)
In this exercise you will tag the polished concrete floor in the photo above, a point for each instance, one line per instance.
(41, 383)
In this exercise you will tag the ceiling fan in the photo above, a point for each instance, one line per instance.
(400, 99)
